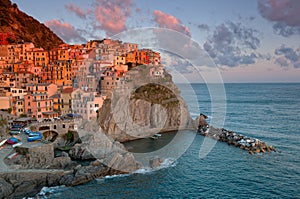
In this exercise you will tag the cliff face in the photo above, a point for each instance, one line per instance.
(147, 106)
(25, 27)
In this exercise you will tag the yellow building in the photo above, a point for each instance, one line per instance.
(41, 58)
(118, 60)
(62, 73)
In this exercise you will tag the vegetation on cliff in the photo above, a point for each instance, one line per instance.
(25, 28)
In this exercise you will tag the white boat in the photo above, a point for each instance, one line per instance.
(155, 136)
(17, 144)
(2, 142)
(12, 156)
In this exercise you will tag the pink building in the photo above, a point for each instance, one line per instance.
(86, 104)
(38, 103)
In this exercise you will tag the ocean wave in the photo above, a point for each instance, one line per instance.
(168, 162)
(47, 191)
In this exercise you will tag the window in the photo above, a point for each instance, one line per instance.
(64, 126)
(96, 105)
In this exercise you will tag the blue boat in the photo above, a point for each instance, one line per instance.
(27, 131)
(12, 141)
(31, 134)
(36, 136)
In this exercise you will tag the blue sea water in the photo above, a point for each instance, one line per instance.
(270, 112)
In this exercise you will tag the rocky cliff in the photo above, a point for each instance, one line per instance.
(147, 105)
(36, 167)
(25, 27)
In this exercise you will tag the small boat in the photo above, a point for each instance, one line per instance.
(32, 134)
(14, 155)
(17, 144)
(12, 141)
(155, 136)
(36, 136)
(2, 142)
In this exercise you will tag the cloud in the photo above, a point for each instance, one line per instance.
(284, 13)
(168, 21)
(65, 30)
(286, 55)
(112, 15)
(204, 27)
(284, 30)
(288, 52)
(232, 44)
(281, 61)
(76, 9)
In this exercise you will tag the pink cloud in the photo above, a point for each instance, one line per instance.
(112, 15)
(65, 30)
(286, 11)
(77, 10)
(168, 21)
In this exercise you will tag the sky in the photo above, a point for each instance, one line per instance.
(248, 41)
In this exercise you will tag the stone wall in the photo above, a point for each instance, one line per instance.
(36, 157)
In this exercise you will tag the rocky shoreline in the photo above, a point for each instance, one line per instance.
(111, 159)
(252, 145)
(37, 167)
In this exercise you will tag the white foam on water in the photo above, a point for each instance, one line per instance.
(47, 191)
(168, 162)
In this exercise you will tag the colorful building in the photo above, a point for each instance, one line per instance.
(38, 103)
(86, 104)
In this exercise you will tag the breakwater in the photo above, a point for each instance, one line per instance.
(252, 145)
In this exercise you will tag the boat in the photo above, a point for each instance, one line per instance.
(155, 136)
(32, 134)
(27, 131)
(35, 137)
(14, 131)
(2, 142)
(12, 156)
(17, 144)
(12, 141)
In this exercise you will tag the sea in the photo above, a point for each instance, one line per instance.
(267, 111)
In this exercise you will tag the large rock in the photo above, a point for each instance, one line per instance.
(27, 184)
(36, 157)
(84, 174)
(144, 109)
(97, 145)
(155, 163)
(5, 188)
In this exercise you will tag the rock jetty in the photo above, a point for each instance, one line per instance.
(252, 145)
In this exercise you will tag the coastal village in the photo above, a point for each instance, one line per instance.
(68, 79)
(45, 94)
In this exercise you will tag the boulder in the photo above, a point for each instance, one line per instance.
(63, 163)
(84, 174)
(36, 157)
(5, 188)
(103, 148)
(155, 163)
(27, 184)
